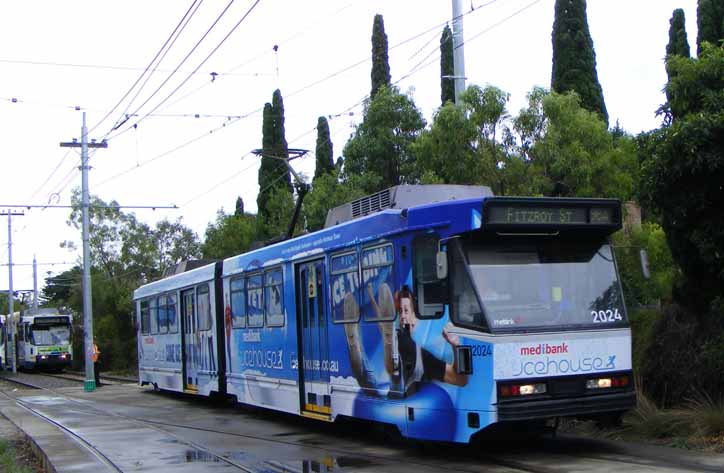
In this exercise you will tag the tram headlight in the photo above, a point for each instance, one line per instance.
(609, 382)
(43, 357)
(517, 390)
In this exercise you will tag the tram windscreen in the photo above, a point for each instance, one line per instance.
(537, 285)
(53, 335)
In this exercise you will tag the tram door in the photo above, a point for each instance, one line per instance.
(189, 338)
(313, 316)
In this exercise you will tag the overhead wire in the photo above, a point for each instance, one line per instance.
(249, 61)
(173, 33)
(294, 93)
(248, 12)
(115, 68)
(178, 29)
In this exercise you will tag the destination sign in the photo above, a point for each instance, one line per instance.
(52, 320)
(528, 215)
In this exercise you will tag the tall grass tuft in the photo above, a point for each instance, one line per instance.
(706, 415)
(8, 461)
(649, 421)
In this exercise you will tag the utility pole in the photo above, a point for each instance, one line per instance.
(458, 54)
(10, 321)
(90, 383)
(35, 284)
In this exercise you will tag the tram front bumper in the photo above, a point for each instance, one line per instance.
(583, 406)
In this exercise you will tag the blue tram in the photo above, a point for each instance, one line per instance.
(441, 310)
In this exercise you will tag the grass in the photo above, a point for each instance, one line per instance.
(699, 424)
(8, 459)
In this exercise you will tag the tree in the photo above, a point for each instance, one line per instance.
(682, 177)
(273, 172)
(574, 59)
(239, 206)
(380, 61)
(229, 235)
(328, 192)
(461, 146)
(280, 149)
(710, 23)
(125, 253)
(380, 145)
(175, 242)
(576, 156)
(678, 43)
(446, 152)
(324, 153)
(447, 67)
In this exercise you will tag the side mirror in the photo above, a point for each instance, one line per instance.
(644, 257)
(441, 265)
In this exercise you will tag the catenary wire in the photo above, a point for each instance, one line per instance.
(180, 30)
(223, 40)
(145, 71)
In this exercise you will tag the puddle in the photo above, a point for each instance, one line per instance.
(194, 456)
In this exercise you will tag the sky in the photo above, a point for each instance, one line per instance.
(184, 138)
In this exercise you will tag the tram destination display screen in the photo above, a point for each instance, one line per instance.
(52, 321)
(529, 212)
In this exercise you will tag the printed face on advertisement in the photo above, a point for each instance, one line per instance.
(407, 315)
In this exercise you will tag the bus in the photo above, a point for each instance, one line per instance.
(439, 310)
(44, 339)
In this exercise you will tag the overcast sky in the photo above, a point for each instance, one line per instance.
(191, 147)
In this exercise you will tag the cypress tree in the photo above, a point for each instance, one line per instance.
(380, 61)
(678, 44)
(710, 22)
(447, 67)
(280, 148)
(574, 60)
(273, 172)
(325, 162)
(268, 165)
(239, 207)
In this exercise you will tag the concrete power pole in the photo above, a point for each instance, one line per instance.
(458, 54)
(35, 284)
(90, 383)
(10, 321)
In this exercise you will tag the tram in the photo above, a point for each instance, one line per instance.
(3, 354)
(439, 310)
(43, 338)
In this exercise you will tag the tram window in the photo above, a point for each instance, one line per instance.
(204, 309)
(154, 316)
(431, 292)
(145, 318)
(344, 284)
(378, 282)
(274, 298)
(255, 301)
(171, 313)
(162, 315)
(238, 312)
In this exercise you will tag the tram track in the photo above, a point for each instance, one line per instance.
(451, 458)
